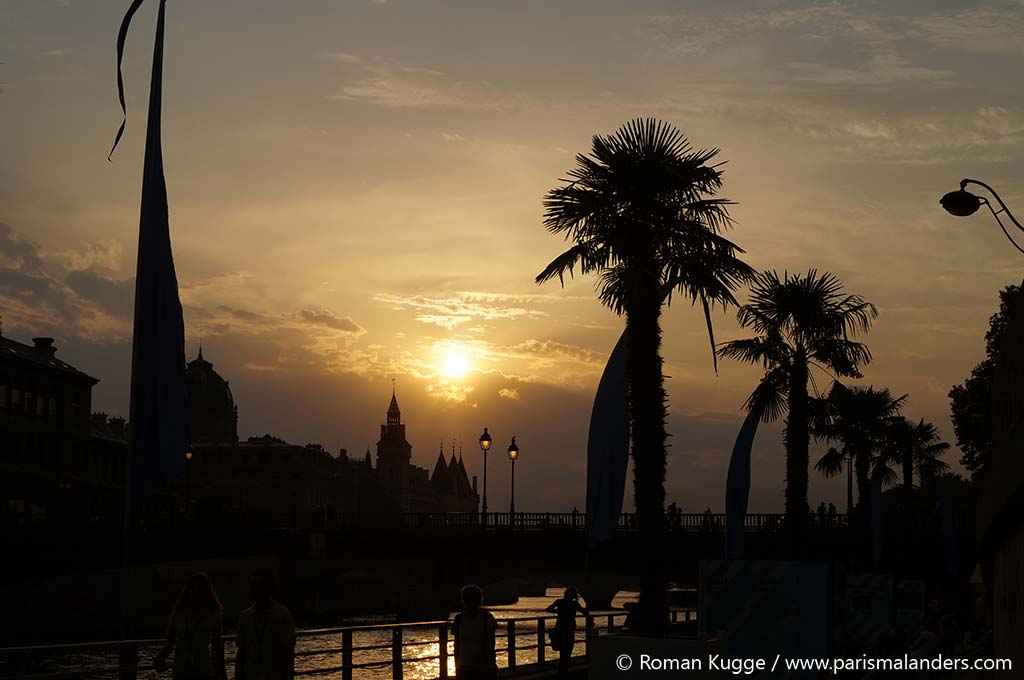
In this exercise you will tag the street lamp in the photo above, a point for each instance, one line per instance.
(513, 454)
(963, 203)
(485, 445)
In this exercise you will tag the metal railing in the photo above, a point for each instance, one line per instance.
(418, 650)
(520, 521)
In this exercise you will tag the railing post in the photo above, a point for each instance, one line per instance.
(510, 634)
(442, 638)
(128, 661)
(396, 653)
(346, 655)
(611, 623)
(591, 632)
(540, 639)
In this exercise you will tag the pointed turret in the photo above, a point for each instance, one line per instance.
(439, 478)
(394, 413)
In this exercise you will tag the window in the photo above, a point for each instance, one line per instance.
(30, 402)
(15, 397)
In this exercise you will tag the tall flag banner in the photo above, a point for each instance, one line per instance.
(608, 449)
(158, 425)
(737, 486)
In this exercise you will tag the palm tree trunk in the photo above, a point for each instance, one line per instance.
(849, 489)
(908, 502)
(908, 482)
(863, 465)
(797, 456)
(646, 396)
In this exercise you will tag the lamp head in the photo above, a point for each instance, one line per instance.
(960, 203)
(513, 449)
(485, 441)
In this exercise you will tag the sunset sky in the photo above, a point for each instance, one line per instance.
(355, 196)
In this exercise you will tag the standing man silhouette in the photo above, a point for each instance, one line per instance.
(266, 635)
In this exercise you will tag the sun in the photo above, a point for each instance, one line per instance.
(455, 364)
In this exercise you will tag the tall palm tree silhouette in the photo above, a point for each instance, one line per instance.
(640, 212)
(858, 420)
(801, 321)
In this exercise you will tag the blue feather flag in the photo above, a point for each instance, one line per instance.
(608, 449)
(158, 425)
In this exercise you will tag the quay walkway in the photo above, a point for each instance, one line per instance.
(415, 651)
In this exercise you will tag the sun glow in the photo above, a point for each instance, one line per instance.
(455, 364)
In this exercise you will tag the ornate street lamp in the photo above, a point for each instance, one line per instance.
(485, 446)
(513, 454)
(963, 203)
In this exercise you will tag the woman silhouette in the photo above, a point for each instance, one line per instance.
(194, 633)
(563, 637)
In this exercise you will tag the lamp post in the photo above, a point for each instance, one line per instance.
(188, 488)
(513, 454)
(485, 445)
(963, 203)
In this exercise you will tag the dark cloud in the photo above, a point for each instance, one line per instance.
(114, 296)
(324, 317)
(24, 254)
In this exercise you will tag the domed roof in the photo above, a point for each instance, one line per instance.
(205, 383)
(213, 416)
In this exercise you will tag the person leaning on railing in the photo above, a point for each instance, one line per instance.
(563, 637)
(194, 634)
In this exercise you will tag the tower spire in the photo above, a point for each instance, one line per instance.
(394, 413)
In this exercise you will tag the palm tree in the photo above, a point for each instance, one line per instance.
(915, 447)
(801, 321)
(640, 212)
(858, 419)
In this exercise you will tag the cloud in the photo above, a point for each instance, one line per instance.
(456, 310)
(327, 318)
(386, 82)
(105, 254)
(986, 30)
(22, 254)
(114, 296)
(508, 393)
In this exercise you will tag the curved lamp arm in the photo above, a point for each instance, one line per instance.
(1002, 205)
(995, 213)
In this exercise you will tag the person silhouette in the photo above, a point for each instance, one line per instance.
(822, 513)
(266, 634)
(474, 628)
(707, 519)
(194, 633)
(563, 637)
(832, 514)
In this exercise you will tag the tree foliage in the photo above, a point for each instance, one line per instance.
(971, 400)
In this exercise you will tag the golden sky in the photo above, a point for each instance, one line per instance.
(356, 187)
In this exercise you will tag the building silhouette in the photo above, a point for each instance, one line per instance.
(62, 465)
(59, 463)
(265, 474)
(413, 488)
